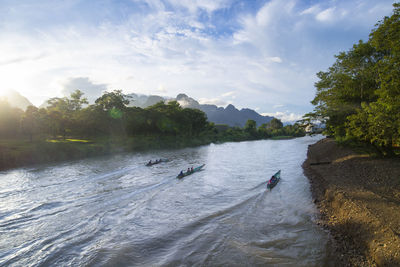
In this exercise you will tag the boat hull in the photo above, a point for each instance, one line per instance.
(154, 163)
(199, 168)
(274, 180)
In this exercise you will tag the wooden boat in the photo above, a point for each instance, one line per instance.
(156, 162)
(274, 180)
(191, 172)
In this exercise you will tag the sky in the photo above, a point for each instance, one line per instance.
(258, 54)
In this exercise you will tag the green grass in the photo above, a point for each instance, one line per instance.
(69, 140)
(19, 152)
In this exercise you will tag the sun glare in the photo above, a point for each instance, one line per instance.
(4, 92)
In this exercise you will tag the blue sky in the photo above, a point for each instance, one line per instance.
(257, 54)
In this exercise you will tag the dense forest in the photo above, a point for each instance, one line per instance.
(71, 128)
(358, 97)
(110, 116)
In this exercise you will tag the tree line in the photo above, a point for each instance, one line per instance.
(358, 97)
(110, 116)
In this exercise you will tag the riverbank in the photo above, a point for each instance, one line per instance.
(17, 153)
(358, 197)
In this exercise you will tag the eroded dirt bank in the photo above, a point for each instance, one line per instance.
(359, 202)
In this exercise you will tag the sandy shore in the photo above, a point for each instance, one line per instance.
(359, 202)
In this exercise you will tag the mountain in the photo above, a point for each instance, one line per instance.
(144, 101)
(15, 99)
(219, 115)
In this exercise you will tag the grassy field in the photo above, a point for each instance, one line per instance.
(17, 152)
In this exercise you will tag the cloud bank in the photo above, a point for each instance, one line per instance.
(248, 53)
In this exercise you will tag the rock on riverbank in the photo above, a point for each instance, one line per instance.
(359, 202)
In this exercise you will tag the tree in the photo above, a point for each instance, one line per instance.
(60, 114)
(275, 124)
(378, 122)
(77, 101)
(251, 128)
(113, 100)
(196, 121)
(10, 118)
(349, 82)
(30, 122)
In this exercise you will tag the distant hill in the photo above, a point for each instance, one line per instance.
(15, 99)
(229, 115)
(219, 115)
(144, 101)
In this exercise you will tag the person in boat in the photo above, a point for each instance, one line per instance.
(191, 169)
(157, 161)
(149, 163)
(188, 170)
(180, 174)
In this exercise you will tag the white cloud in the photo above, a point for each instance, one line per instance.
(213, 101)
(149, 52)
(161, 88)
(275, 59)
(326, 15)
(231, 93)
(91, 90)
(311, 10)
(284, 116)
(278, 106)
(194, 5)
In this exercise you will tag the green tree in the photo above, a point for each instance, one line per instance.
(251, 128)
(349, 82)
(77, 101)
(10, 118)
(264, 130)
(379, 122)
(196, 121)
(275, 124)
(113, 100)
(30, 121)
(60, 116)
(115, 105)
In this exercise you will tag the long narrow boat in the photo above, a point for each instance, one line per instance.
(156, 162)
(191, 172)
(274, 180)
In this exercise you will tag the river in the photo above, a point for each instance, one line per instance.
(115, 211)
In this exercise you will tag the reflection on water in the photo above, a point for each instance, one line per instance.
(116, 211)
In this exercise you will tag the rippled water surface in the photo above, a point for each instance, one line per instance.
(115, 211)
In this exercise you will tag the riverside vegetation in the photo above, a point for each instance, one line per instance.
(354, 176)
(68, 128)
(358, 98)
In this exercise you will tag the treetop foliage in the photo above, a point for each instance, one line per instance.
(358, 97)
(111, 117)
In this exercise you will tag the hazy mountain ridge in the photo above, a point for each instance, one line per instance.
(144, 101)
(17, 100)
(219, 115)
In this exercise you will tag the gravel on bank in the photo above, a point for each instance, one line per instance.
(359, 202)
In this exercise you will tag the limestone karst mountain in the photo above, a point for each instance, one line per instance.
(15, 99)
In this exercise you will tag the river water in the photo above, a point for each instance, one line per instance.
(115, 211)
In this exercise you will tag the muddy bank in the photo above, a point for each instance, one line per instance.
(359, 202)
